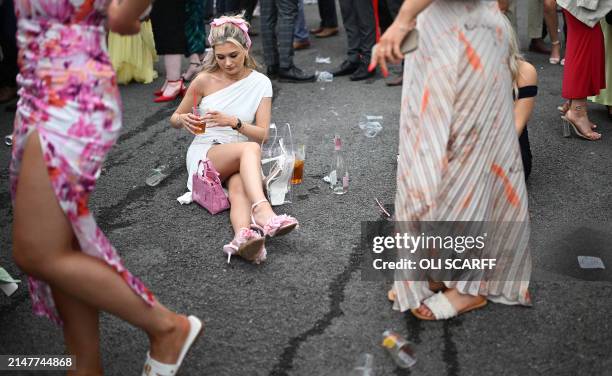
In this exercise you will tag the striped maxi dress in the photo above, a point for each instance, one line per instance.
(459, 154)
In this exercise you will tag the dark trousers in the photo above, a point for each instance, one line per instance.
(278, 49)
(228, 7)
(394, 7)
(359, 23)
(249, 7)
(8, 29)
(327, 12)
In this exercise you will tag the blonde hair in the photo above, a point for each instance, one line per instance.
(514, 53)
(227, 33)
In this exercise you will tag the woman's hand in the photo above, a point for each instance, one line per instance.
(191, 122)
(219, 119)
(388, 47)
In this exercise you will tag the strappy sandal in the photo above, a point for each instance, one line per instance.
(277, 225)
(570, 127)
(442, 308)
(154, 368)
(191, 73)
(248, 244)
(555, 60)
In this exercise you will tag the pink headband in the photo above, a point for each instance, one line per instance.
(238, 22)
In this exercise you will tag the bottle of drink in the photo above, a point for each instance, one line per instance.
(399, 349)
(339, 176)
(364, 366)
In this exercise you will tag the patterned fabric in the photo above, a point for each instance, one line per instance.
(70, 97)
(459, 155)
(283, 12)
(194, 27)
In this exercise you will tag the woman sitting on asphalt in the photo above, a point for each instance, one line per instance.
(235, 103)
(525, 88)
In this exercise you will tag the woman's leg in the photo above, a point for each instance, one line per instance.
(51, 256)
(81, 332)
(172, 64)
(552, 24)
(240, 209)
(245, 158)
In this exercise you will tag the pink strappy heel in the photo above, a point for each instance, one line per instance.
(248, 244)
(278, 225)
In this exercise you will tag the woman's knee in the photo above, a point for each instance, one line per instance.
(252, 148)
(30, 256)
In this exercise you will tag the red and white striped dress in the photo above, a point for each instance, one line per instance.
(459, 154)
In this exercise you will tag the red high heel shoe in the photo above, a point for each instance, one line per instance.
(180, 92)
(159, 92)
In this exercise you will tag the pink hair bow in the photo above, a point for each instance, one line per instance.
(238, 22)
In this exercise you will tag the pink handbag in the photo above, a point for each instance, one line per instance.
(207, 190)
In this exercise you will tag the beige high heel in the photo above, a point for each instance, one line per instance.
(555, 60)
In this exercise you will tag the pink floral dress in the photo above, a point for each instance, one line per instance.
(69, 95)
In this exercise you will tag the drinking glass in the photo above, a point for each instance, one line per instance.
(298, 165)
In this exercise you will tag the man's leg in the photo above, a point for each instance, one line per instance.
(269, 16)
(287, 16)
(534, 26)
(367, 38)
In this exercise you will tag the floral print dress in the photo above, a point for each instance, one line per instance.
(68, 95)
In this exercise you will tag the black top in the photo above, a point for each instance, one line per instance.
(525, 92)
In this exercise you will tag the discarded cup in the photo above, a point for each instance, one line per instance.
(590, 262)
(8, 140)
(157, 175)
(324, 76)
(399, 349)
(364, 365)
(323, 60)
(371, 125)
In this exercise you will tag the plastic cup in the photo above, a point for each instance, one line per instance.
(202, 128)
(298, 165)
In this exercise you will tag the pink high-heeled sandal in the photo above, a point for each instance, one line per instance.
(248, 244)
(278, 225)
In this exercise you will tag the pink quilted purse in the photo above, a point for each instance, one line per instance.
(207, 190)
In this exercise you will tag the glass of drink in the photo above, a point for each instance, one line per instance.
(298, 165)
(202, 126)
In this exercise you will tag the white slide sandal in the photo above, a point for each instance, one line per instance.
(442, 308)
(154, 368)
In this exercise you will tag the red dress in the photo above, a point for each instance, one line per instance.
(585, 62)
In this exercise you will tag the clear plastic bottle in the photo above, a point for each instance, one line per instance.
(364, 366)
(339, 175)
(157, 175)
(399, 349)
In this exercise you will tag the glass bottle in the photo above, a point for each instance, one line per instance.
(339, 175)
(399, 349)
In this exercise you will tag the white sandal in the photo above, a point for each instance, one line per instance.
(442, 308)
(154, 368)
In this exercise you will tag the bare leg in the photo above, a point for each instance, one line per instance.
(552, 24)
(245, 158)
(240, 209)
(194, 67)
(172, 64)
(51, 256)
(81, 333)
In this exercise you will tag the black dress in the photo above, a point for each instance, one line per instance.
(168, 21)
(525, 92)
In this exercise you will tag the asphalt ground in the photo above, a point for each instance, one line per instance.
(306, 311)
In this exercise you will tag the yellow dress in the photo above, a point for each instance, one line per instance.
(133, 56)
